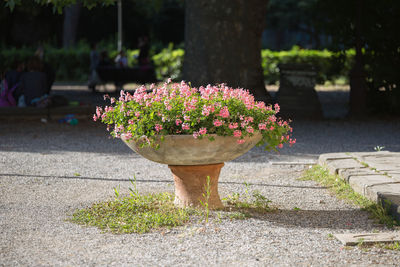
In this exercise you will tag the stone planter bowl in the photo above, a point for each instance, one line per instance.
(186, 150)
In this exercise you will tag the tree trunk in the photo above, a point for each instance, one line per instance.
(71, 19)
(358, 84)
(223, 44)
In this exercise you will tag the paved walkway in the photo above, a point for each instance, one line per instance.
(375, 175)
(48, 170)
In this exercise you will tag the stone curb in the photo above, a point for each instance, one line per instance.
(375, 175)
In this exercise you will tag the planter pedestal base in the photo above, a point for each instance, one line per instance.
(190, 182)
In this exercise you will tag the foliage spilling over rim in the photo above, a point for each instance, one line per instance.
(178, 108)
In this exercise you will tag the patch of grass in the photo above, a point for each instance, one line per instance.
(391, 246)
(134, 214)
(251, 203)
(388, 246)
(144, 213)
(344, 191)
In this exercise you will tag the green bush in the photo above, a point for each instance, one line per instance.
(73, 64)
(329, 65)
(168, 63)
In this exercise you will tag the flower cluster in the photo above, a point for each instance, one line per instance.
(178, 108)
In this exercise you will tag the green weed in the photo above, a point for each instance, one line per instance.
(344, 191)
(138, 213)
(134, 214)
(206, 195)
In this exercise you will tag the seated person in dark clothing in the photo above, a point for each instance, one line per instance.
(34, 81)
(104, 59)
(13, 77)
(14, 74)
(46, 68)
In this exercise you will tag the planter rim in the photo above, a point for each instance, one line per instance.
(186, 150)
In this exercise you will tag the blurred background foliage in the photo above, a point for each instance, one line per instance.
(321, 32)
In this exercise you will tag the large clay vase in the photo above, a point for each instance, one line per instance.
(192, 161)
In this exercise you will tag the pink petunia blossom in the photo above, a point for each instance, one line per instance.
(262, 126)
(178, 122)
(185, 126)
(237, 133)
(233, 125)
(240, 141)
(217, 123)
(203, 131)
(224, 112)
(277, 108)
(158, 127)
(250, 129)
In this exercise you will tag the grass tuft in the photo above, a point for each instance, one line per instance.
(134, 214)
(144, 213)
(344, 191)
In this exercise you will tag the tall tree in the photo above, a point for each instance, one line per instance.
(70, 26)
(223, 43)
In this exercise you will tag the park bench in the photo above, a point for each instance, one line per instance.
(121, 76)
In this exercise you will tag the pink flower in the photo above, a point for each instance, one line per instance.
(237, 133)
(94, 117)
(128, 135)
(262, 126)
(178, 122)
(158, 127)
(249, 119)
(261, 105)
(233, 125)
(280, 145)
(202, 131)
(186, 118)
(277, 108)
(137, 114)
(131, 122)
(224, 112)
(250, 129)
(99, 110)
(112, 100)
(195, 135)
(185, 126)
(240, 141)
(217, 123)
(292, 142)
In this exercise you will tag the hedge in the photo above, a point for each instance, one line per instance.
(73, 64)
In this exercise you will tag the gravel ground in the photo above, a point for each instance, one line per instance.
(39, 189)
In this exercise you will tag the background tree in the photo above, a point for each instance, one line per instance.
(223, 43)
(70, 26)
(369, 27)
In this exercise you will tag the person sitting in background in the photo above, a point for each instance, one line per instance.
(104, 59)
(94, 63)
(121, 60)
(144, 48)
(13, 77)
(46, 68)
(33, 83)
(6, 96)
